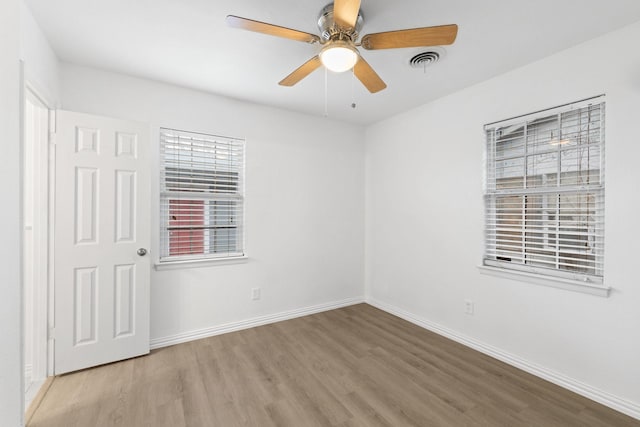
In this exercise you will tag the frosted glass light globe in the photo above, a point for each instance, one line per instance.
(339, 57)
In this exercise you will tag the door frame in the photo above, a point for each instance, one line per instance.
(41, 300)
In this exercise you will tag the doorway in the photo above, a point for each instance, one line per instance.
(35, 236)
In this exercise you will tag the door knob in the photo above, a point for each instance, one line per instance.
(142, 251)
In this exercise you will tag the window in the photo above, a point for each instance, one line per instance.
(201, 196)
(544, 192)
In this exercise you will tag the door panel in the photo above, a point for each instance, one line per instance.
(101, 219)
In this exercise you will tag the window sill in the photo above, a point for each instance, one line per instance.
(196, 263)
(554, 282)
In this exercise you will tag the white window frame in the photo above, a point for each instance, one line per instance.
(232, 165)
(591, 279)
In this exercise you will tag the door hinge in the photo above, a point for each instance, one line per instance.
(52, 333)
(52, 138)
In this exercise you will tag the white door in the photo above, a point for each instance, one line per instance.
(101, 237)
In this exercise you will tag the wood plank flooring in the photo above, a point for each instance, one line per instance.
(356, 366)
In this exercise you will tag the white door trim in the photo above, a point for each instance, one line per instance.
(38, 365)
(43, 95)
(52, 242)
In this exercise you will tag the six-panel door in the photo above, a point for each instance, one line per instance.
(101, 220)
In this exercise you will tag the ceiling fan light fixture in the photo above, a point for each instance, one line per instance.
(339, 56)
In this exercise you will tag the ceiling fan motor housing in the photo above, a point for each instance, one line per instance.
(329, 30)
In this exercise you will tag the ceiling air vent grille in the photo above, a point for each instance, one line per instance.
(425, 59)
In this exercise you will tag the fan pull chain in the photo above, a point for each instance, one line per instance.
(326, 93)
(353, 88)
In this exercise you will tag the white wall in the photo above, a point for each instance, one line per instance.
(424, 219)
(304, 202)
(11, 369)
(41, 65)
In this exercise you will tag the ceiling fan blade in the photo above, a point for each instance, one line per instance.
(417, 37)
(301, 72)
(345, 12)
(369, 78)
(273, 30)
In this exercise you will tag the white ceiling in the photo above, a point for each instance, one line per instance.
(186, 42)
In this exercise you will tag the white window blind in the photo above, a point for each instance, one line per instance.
(201, 196)
(544, 192)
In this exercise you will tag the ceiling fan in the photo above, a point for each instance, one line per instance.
(340, 23)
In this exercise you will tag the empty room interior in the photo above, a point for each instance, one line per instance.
(284, 213)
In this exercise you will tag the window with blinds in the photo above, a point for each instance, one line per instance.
(544, 192)
(201, 196)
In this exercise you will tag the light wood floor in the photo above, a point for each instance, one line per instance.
(357, 366)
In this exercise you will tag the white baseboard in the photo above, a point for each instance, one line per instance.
(250, 323)
(626, 407)
(34, 395)
(32, 388)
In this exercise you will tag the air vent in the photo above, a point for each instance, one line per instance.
(425, 59)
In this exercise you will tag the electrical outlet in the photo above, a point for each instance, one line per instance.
(255, 294)
(468, 306)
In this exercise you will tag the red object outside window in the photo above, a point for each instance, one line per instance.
(186, 227)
